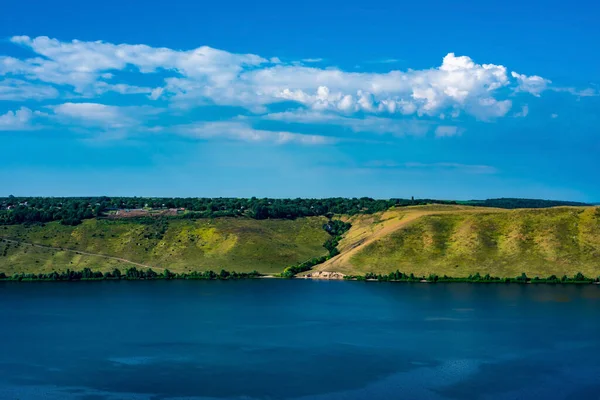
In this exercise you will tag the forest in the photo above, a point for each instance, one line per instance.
(73, 210)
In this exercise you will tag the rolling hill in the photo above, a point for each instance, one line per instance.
(180, 245)
(460, 241)
(452, 240)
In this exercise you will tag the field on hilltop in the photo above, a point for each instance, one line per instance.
(460, 241)
(181, 245)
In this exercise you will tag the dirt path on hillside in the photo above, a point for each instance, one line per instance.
(356, 246)
(41, 246)
(339, 262)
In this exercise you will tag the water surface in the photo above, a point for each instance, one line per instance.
(298, 339)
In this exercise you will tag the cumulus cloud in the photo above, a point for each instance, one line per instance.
(459, 83)
(397, 102)
(210, 76)
(16, 120)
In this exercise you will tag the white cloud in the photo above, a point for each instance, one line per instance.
(102, 118)
(156, 93)
(446, 131)
(211, 76)
(101, 115)
(488, 108)
(21, 90)
(16, 120)
(457, 83)
(523, 113)
(395, 102)
(589, 92)
(122, 88)
(368, 124)
(531, 84)
(553, 116)
(239, 130)
(83, 64)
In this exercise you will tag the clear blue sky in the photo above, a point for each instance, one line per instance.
(323, 98)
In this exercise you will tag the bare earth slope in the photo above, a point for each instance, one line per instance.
(459, 241)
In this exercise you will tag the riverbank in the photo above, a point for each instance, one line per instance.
(318, 276)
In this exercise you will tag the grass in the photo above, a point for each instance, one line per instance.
(456, 241)
(236, 244)
(459, 242)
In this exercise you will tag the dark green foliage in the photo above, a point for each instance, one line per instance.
(155, 228)
(400, 277)
(135, 274)
(579, 277)
(72, 210)
(131, 274)
(512, 203)
(523, 278)
(336, 229)
(290, 272)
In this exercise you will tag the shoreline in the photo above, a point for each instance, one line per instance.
(309, 278)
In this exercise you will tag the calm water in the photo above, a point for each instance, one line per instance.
(277, 339)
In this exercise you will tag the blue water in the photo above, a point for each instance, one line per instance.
(298, 339)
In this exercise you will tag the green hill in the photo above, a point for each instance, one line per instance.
(451, 240)
(460, 242)
(182, 245)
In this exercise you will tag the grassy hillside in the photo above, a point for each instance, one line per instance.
(436, 239)
(181, 245)
(457, 242)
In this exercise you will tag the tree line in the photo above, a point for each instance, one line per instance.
(73, 210)
(513, 203)
(398, 276)
(133, 273)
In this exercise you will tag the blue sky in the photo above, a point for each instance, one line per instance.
(430, 99)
